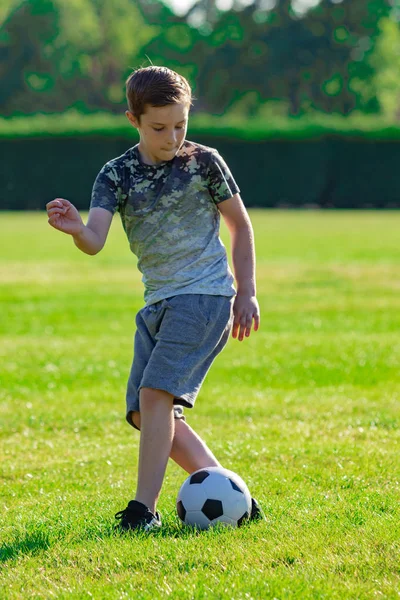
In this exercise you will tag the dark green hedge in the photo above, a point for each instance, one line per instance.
(331, 168)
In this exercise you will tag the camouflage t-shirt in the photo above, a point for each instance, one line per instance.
(170, 216)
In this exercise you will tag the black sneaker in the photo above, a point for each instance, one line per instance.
(256, 512)
(137, 516)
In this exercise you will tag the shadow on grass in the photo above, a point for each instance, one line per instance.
(173, 528)
(39, 540)
(170, 529)
(31, 543)
(36, 541)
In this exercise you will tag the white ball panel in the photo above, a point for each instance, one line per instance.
(225, 521)
(197, 519)
(236, 509)
(217, 486)
(240, 483)
(192, 496)
(238, 480)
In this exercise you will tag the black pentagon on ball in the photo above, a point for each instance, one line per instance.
(199, 477)
(243, 519)
(235, 486)
(181, 510)
(213, 509)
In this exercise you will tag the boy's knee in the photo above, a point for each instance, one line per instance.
(179, 419)
(153, 395)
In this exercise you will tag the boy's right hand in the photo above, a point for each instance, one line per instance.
(64, 216)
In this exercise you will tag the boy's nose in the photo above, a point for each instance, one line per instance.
(172, 139)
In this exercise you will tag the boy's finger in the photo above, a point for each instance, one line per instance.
(249, 324)
(242, 332)
(52, 204)
(243, 327)
(55, 211)
(53, 221)
(256, 321)
(235, 329)
(58, 203)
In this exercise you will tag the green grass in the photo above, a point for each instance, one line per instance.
(306, 410)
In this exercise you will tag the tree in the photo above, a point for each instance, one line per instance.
(336, 57)
(385, 61)
(77, 53)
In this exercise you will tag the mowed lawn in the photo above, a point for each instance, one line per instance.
(306, 410)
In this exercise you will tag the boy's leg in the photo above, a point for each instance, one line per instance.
(157, 434)
(188, 450)
(191, 453)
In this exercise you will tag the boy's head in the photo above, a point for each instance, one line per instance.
(155, 86)
(158, 106)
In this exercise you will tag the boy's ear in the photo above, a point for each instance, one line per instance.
(132, 119)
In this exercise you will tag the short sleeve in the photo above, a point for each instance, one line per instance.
(106, 190)
(221, 184)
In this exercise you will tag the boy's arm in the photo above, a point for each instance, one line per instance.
(246, 307)
(89, 238)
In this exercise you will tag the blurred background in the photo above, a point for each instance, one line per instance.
(301, 97)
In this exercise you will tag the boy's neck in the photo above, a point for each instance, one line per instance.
(146, 158)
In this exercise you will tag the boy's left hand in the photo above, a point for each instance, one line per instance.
(245, 309)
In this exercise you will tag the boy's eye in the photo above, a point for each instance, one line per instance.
(155, 129)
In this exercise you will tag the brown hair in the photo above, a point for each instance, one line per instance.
(156, 86)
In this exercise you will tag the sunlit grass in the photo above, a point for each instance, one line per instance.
(306, 410)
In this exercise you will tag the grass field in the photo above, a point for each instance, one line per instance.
(306, 411)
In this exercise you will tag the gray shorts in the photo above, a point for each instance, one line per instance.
(176, 342)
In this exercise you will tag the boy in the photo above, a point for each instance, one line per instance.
(170, 193)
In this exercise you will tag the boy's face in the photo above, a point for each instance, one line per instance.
(162, 131)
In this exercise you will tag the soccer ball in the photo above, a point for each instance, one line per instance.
(213, 495)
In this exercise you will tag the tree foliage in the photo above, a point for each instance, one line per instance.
(262, 58)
